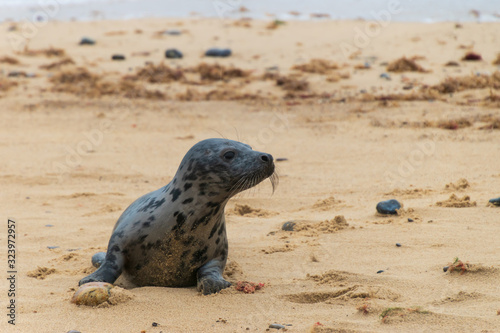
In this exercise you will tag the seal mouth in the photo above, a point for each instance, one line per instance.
(252, 179)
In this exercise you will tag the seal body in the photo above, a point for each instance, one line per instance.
(176, 236)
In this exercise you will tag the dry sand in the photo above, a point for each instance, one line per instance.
(75, 160)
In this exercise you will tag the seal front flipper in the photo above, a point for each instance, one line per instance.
(109, 270)
(209, 277)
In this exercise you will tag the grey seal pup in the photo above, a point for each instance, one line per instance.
(176, 236)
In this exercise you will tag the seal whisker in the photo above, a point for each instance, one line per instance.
(275, 180)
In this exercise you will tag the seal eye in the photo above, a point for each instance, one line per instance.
(229, 155)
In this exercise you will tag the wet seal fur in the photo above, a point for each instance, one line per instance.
(176, 235)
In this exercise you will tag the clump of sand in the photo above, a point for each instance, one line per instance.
(58, 64)
(326, 227)
(292, 83)
(317, 66)
(9, 60)
(246, 210)
(160, 73)
(457, 202)
(456, 84)
(81, 82)
(6, 84)
(326, 204)
(459, 185)
(405, 65)
(48, 52)
(41, 272)
(218, 72)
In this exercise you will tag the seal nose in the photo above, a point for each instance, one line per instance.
(266, 158)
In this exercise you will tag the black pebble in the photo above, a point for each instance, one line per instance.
(218, 52)
(495, 201)
(173, 54)
(87, 41)
(98, 259)
(398, 244)
(117, 57)
(445, 268)
(388, 206)
(410, 220)
(52, 247)
(381, 271)
(288, 226)
(154, 324)
(281, 159)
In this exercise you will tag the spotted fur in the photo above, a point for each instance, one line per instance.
(176, 236)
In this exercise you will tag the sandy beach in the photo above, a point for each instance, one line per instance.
(358, 112)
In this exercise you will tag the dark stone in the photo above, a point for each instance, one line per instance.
(117, 57)
(288, 226)
(381, 271)
(173, 54)
(154, 324)
(471, 56)
(495, 201)
(410, 220)
(87, 41)
(398, 244)
(218, 52)
(277, 326)
(172, 32)
(281, 159)
(52, 247)
(388, 207)
(385, 76)
(445, 268)
(98, 259)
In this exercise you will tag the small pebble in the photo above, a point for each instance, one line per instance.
(363, 91)
(410, 220)
(385, 76)
(87, 41)
(471, 56)
(154, 324)
(52, 247)
(277, 326)
(272, 68)
(398, 244)
(218, 52)
(73, 331)
(117, 57)
(445, 268)
(173, 54)
(288, 226)
(98, 259)
(281, 159)
(16, 74)
(172, 32)
(495, 201)
(367, 65)
(381, 271)
(388, 207)
(49, 225)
